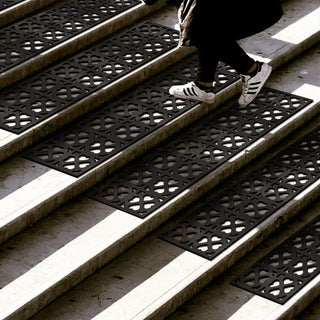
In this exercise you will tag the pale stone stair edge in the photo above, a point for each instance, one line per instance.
(21, 9)
(260, 308)
(74, 44)
(11, 143)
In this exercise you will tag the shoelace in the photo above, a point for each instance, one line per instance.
(245, 84)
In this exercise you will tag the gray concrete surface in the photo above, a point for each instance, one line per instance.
(112, 282)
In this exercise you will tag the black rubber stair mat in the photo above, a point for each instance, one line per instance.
(286, 269)
(112, 128)
(35, 99)
(224, 219)
(30, 37)
(176, 165)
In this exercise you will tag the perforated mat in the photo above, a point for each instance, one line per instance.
(33, 100)
(175, 165)
(288, 268)
(223, 220)
(25, 39)
(112, 128)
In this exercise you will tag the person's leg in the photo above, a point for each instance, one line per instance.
(207, 65)
(202, 88)
(232, 54)
(253, 73)
(208, 58)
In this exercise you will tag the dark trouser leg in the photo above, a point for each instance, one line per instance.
(207, 65)
(229, 52)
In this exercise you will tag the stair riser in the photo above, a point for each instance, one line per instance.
(16, 143)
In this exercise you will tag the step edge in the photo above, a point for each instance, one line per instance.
(14, 143)
(72, 45)
(270, 225)
(203, 273)
(89, 182)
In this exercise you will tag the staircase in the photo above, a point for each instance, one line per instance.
(119, 201)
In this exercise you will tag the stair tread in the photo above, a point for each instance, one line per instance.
(141, 281)
(13, 10)
(230, 302)
(186, 269)
(40, 104)
(33, 100)
(37, 34)
(271, 50)
(113, 225)
(174, 167)
(288, 268)
(105, 132)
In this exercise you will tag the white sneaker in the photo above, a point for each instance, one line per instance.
(192, 91)
(251, 86)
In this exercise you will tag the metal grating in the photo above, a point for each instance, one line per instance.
(224, 219)
(30, 37)
(174, 166)
(288, 268)
(33, 100)
(107, 131)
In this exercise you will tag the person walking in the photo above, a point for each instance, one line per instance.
(214, 27)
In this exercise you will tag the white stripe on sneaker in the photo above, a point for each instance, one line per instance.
(192, 91)
(251, 86)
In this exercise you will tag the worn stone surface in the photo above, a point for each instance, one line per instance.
(217, 301)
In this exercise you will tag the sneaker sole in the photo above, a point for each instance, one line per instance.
(191, 97)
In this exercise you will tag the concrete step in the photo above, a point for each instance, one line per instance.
(153, 278)
(32, 44)
(43, 103)
(54, 188)
(75, 251)
(224, 301)
(276, 50)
